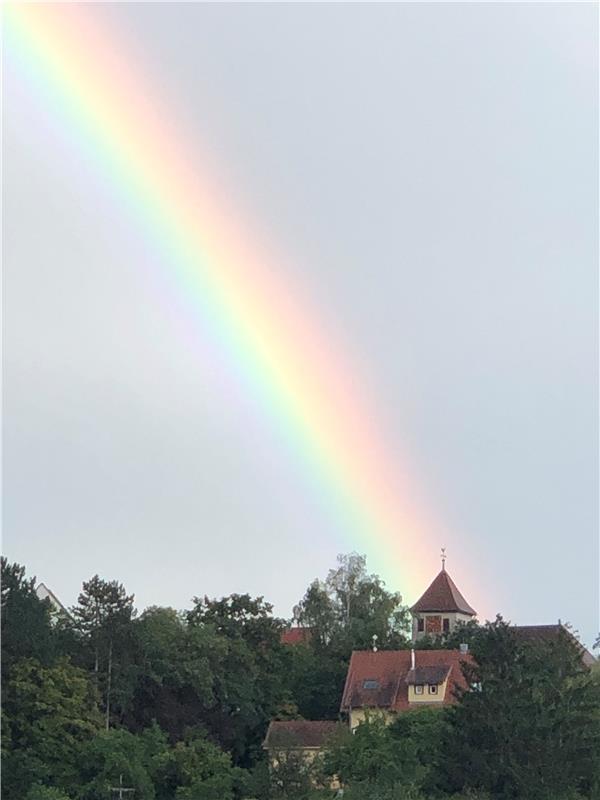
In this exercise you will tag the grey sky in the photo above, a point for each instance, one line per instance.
(432, 170)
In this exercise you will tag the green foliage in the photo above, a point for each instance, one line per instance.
(110, 756)
(177, 703)
(26, 628)
(351, 607)
(248, 681)
(52, 712)
(531, 728)
(389, 759)
(343, 613)
(420, 731)
(103, 617)
(315, 678)
(176, 665)
(204, 772)
(239, 616)
(40, 792)
(291, 778)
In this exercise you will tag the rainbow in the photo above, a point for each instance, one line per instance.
(71, 60)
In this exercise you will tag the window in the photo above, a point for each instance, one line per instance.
(433, 688)
(419, 689)
(370, 684)
(420, 624)
(446, 624)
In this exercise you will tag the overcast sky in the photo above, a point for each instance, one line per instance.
(432, 172)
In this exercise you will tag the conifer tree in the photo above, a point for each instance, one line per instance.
(103, 615)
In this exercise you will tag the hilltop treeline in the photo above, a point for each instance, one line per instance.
(176, 703)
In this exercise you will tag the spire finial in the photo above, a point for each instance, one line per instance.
(443, 559)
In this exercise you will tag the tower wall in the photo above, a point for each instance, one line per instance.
(433, 623)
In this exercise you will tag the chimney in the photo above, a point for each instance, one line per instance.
(412, 658)
(464, 648)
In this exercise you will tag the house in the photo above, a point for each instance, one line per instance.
(387, 682)
(302, 739)
(56, 607)
(546, 634)
(440, 607)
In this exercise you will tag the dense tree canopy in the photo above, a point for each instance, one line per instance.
(175, 704)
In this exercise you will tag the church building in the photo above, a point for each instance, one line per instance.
(389, 682)
(440, 607)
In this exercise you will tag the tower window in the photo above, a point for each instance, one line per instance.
(420, 624)
(446, 624)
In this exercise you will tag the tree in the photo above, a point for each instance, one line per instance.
(314, 678)
(203, 771)
(343, 613)
(40, 792)
(175, 672)
(382, 760)
(530, 727)
(249, 681)
(352, 606)
(52, 712)
(420, 730)
(113, 754)
(103, 615)
(239, 616)
(26, 628)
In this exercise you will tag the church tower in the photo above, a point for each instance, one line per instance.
(440, 607)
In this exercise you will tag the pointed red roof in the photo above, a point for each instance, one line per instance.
(443, 595)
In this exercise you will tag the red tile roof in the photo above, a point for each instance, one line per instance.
(443, 595)
(299, 733)
(296, 636)
(389, 669)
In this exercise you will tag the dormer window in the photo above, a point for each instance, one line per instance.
(433, 689)
(419, 688)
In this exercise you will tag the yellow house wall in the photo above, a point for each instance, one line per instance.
(413, 697)
(358, 715)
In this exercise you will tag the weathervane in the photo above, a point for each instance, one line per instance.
(443, 559)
